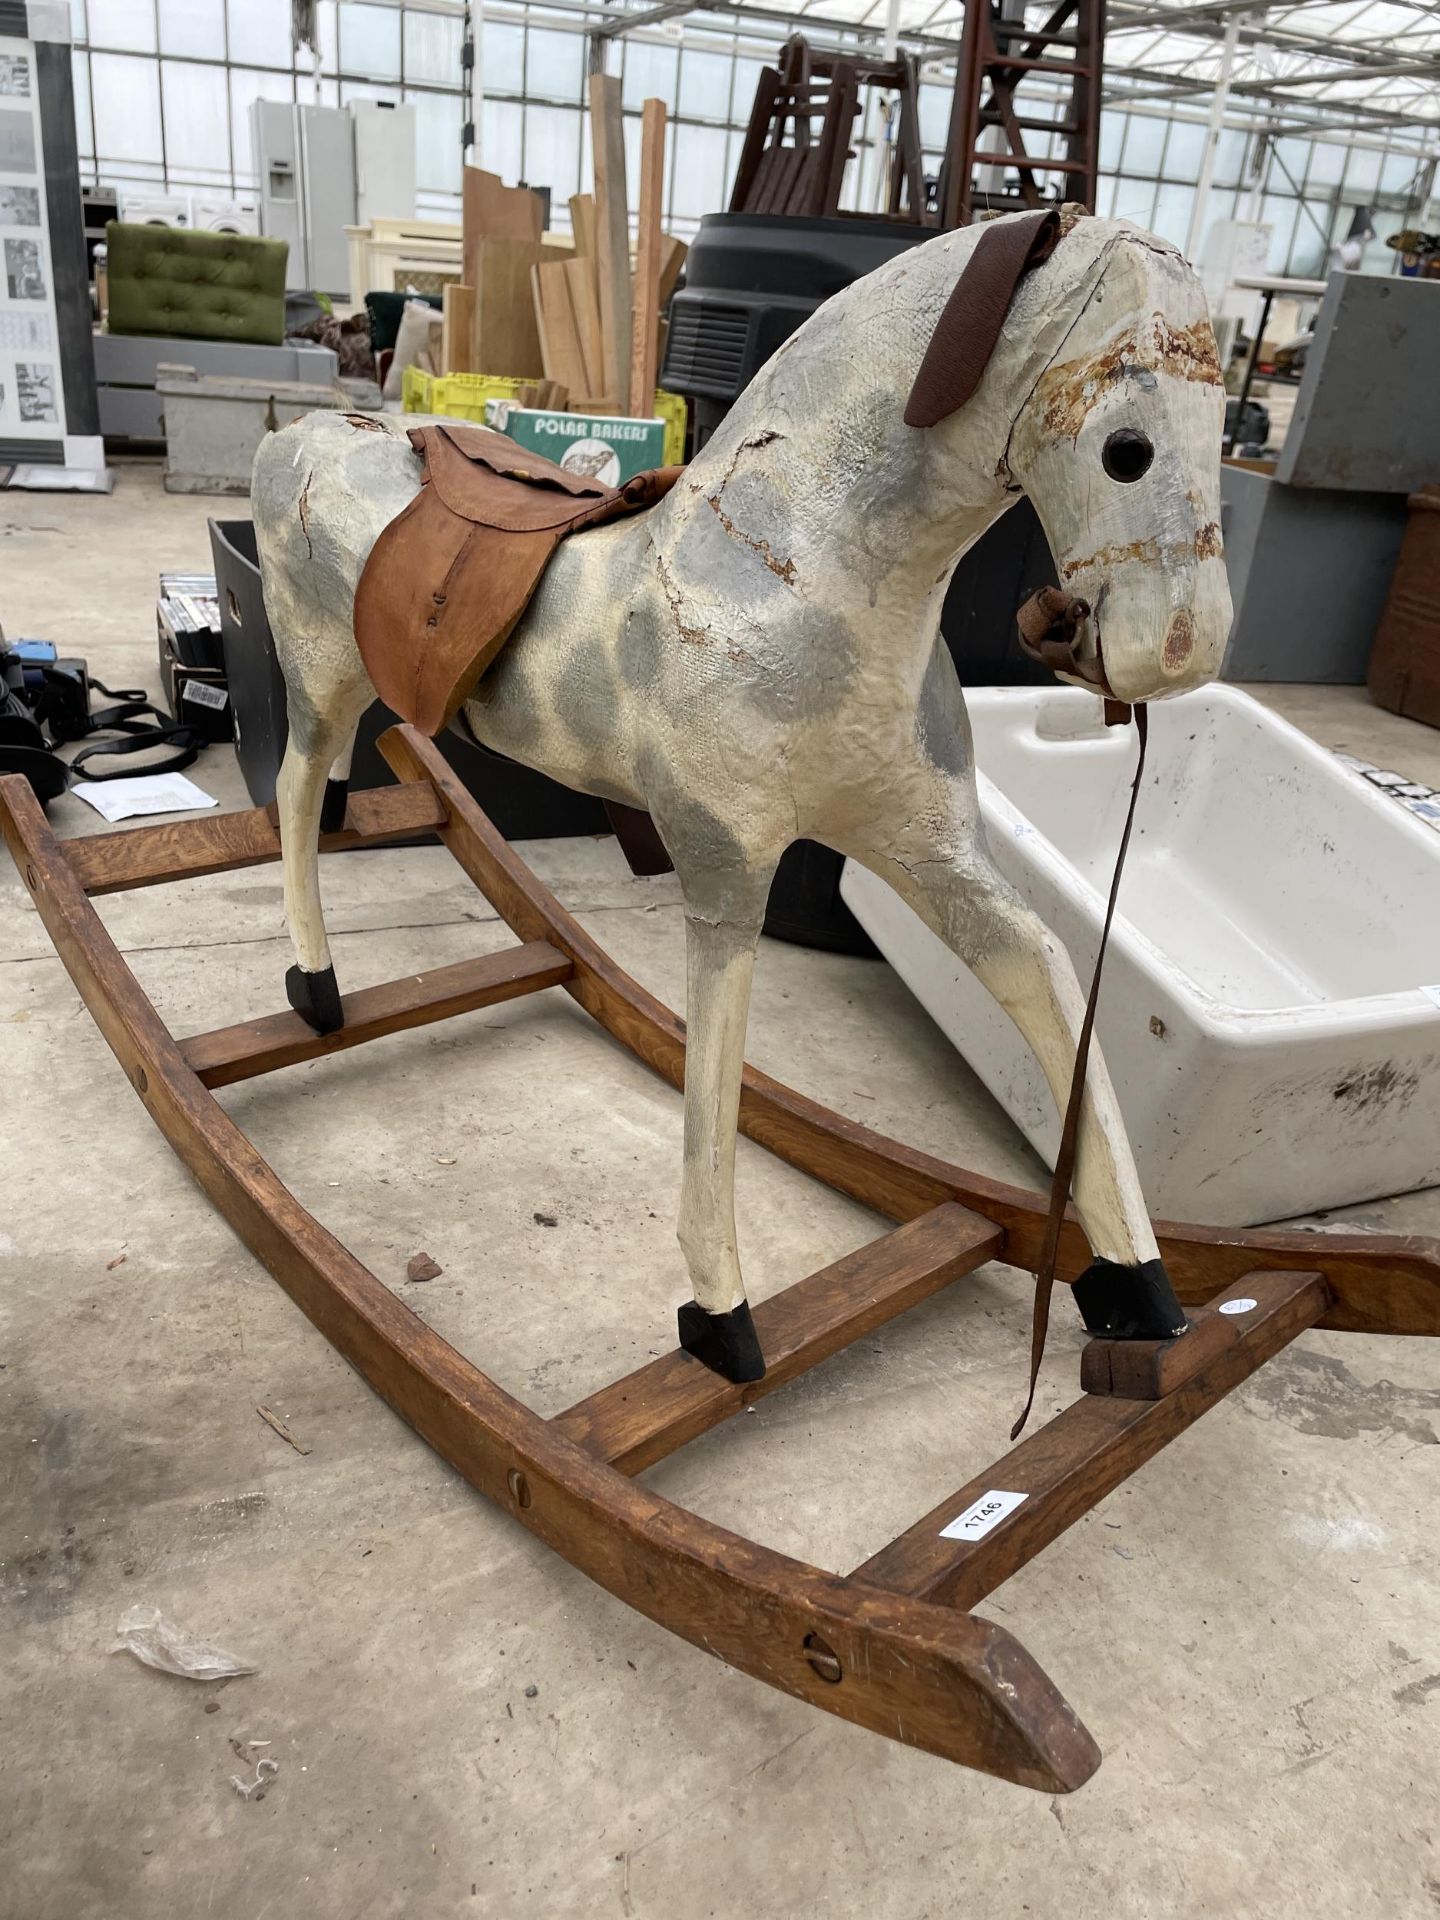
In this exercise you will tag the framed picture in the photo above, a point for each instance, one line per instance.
(35, 390)
(19, 206)
(24, 272)
(17, 140)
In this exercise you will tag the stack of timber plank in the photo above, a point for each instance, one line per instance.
(612, 317)
(572, 322)
(494, 321)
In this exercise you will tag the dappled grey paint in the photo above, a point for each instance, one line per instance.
(756, 658)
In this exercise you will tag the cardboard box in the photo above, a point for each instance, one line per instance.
(611, 449)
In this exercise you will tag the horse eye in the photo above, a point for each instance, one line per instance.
(1126, 455)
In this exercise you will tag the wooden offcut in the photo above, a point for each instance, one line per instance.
(582, 225)
(492, 211)
(585, 317)
(559, 336)
(504, 338)
(457, 328)
(612, 232)
(672, 259)
(645, 324)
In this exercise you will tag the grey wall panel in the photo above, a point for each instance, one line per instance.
(1367, 418)
(1309, 571)
(131, 413)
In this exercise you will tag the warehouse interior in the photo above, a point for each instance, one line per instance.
(277, 1646)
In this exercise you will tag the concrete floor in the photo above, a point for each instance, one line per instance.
(463, 1724)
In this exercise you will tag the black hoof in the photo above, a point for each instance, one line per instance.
(725, 1342)
(316, 998)
(1129, 1303)
(332, 812)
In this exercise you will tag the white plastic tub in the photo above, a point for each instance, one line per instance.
(1271, 1006)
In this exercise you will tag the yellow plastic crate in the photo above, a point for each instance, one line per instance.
(462, 396)
(415, 390)
(670, 407)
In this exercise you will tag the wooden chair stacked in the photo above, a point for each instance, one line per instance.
(892, 1646)
(798, 140)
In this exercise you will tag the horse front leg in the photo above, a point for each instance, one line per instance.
(723, 916)
(937, 861)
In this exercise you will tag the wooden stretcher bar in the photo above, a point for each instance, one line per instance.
(253, 1047)
(890, 1646)
(1067, 1466)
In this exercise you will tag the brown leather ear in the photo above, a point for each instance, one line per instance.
(966, 332)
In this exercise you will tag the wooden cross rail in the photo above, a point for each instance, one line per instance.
(228, 1054)
(175, 850)
(642, 1418)
(1071, 1463)
(1031, 166)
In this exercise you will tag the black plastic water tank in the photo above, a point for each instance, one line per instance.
(750, 280)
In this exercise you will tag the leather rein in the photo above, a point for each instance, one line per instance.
(1070, 1125)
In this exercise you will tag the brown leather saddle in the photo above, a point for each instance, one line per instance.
(449, 578)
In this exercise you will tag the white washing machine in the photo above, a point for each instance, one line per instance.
(224, 216)
(156, 209)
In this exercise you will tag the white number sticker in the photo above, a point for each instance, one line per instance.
(988, 1511)
(1238, 1306)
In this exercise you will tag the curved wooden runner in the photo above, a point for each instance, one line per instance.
(882, 1647)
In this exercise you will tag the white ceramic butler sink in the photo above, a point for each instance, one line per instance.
(1271, 1006)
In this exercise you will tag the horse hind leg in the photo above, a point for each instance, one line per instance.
(724, 907)
(310, 796)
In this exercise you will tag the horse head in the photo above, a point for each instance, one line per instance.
(1115, 437)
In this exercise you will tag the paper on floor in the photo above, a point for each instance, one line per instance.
(146, 793)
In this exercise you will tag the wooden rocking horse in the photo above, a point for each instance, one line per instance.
(751, 655)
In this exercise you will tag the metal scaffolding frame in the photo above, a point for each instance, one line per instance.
(1162, 64)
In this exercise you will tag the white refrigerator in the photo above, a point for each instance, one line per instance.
(321, 170)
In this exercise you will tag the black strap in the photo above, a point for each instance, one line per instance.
(1070, 1127)
(134, 715)
(141, 739)
(117, 693)
(36, 699)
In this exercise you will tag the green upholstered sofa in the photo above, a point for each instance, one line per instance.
(198, 286)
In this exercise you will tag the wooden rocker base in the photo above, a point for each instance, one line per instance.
(889, 1646)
